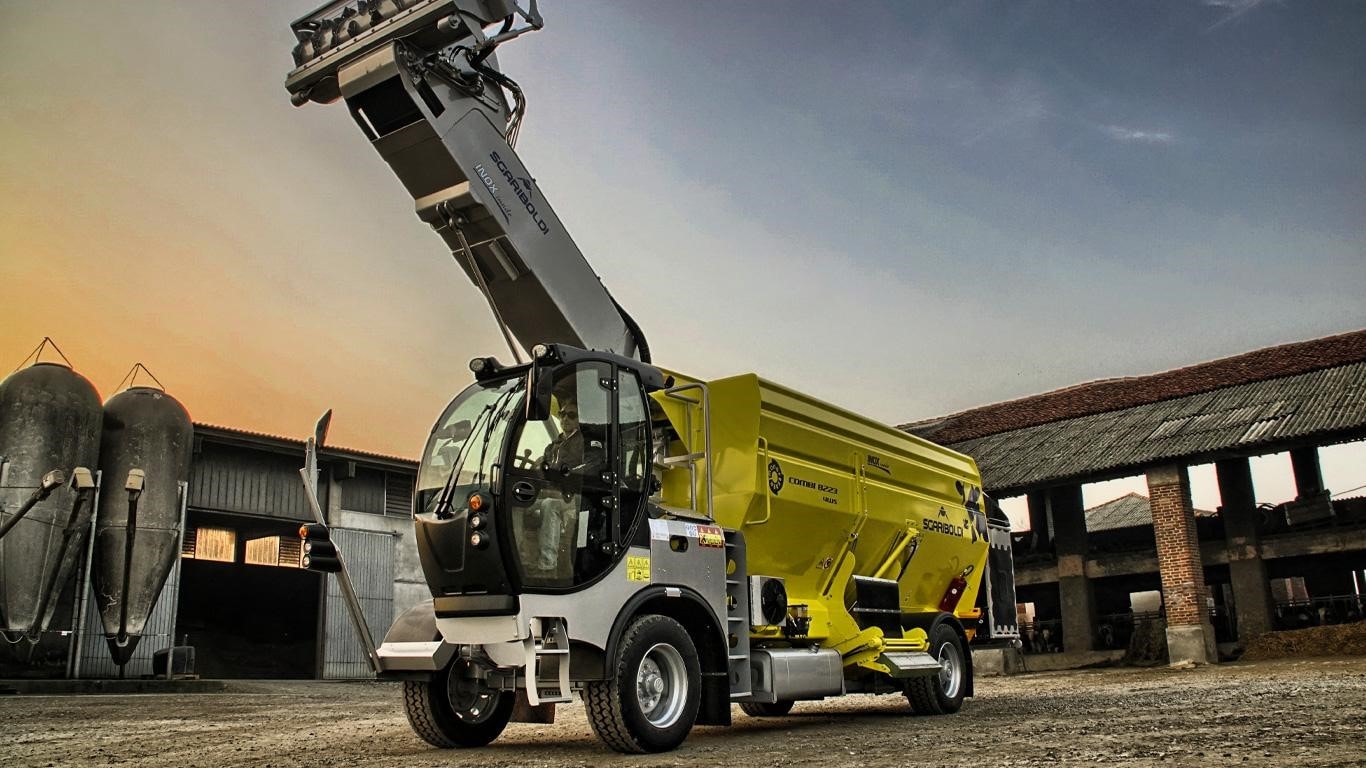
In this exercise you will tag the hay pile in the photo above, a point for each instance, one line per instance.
(1337, 640)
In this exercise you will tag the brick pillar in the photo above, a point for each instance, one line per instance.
(1247, 570)
(1308, 475)
(1074, 589)
(1189, 634)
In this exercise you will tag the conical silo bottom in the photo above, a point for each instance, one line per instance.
(122, 652)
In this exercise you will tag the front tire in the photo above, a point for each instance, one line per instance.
(450, 709)
(941, 694)
(650, 702)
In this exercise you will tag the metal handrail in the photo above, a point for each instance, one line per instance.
(705, 403)
(768, 496)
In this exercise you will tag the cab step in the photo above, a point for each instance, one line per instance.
(547, 661)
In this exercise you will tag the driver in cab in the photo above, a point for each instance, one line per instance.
(561, 464)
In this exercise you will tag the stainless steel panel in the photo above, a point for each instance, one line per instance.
(794, 674)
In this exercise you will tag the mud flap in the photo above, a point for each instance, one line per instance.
(523, 712)
(715, 705)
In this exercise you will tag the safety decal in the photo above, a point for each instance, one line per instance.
(637, 568)
(659, 530)
(710, 536)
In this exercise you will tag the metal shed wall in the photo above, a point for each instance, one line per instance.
(364, 492)
(230, 479)
(370, 561)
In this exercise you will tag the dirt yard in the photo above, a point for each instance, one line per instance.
(1302, 713)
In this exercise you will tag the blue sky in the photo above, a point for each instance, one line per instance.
(907, 209)
(1058, 191)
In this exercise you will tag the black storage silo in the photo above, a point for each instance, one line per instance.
(49, 420)
(137, 538)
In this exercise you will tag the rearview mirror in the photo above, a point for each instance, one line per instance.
(540, 385)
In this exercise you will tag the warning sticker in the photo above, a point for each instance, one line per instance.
(637, 568)
(710, 536)
(659, 530)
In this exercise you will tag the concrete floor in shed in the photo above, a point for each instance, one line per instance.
(1304, 713)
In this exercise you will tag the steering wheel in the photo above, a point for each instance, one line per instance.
(524, 460)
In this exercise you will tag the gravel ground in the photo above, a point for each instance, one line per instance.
(1301, 713)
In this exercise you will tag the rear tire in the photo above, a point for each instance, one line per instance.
(449, 710)
(763, 709)
(941, 694)
(649, 703)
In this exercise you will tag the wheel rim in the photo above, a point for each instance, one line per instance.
(950, 669)
(472, 702)
(662, 685)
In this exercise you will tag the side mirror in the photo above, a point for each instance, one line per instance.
(541, 385)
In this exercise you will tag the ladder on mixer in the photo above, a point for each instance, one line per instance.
(547, 661)
(737, 616)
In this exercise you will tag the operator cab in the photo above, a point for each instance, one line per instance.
(535, 478)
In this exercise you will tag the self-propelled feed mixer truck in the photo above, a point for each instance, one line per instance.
(590, 522)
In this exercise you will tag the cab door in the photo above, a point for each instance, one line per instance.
(576, 481)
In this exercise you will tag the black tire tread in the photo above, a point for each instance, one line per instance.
(431, 718)
(923, 693)
(764, 709)
(603, 699)
(923, 697)
(604, 714)
(417, 705)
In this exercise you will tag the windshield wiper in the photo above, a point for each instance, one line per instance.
(500, 414)
(443, 502)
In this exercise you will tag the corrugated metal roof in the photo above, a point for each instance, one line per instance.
(1236, 420)
(327, 450)
(1131, 510)
(1128, 511)
(1114, 394)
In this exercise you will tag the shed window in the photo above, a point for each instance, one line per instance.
(398, 494)
(217, 544)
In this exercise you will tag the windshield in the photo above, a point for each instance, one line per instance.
(465, 444)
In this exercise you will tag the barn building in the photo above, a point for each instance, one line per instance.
(1214, 578)
(1223, 577)
(238, 596)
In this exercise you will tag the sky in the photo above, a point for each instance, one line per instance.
(906, 209)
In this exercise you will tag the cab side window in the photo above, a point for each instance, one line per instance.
(633, 468)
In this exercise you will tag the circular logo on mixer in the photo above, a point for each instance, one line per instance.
(775, 476)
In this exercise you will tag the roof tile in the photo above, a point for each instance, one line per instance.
(1115, 394)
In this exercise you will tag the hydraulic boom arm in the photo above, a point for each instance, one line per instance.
(421, 81)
